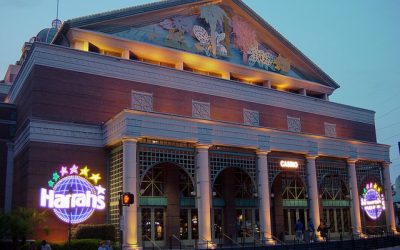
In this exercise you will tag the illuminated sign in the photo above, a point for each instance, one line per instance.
(289, 164)
(72, 196)
(372, 201)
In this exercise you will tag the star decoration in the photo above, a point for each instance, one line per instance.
(100, 190)
(84, 171)
(56, 176)
(63, 171)
(73, 169)
(51, 183)
(95, 178)
(375, 186)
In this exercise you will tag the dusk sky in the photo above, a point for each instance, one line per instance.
(356, 42)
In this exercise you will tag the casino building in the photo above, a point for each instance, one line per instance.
(218, 125)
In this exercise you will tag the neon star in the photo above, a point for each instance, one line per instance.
(56, 176)
(95, 178)
(73, 169)
(63, 171)
(51, 183)
(84, 171)
(100, 190)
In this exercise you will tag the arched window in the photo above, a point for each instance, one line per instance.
(333, 188)
(292, 188)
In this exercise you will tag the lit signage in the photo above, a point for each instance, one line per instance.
(372, 201)
(71, 194)
(289, 164)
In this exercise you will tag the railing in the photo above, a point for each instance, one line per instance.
(170, 241)
(255, 241)
(232, 240)
(152, 242)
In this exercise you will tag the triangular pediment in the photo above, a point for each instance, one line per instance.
(225, 30)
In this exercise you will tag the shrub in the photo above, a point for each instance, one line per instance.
(100, 231)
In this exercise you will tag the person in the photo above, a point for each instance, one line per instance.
(299, 230)
(45, 245)
(108, 245)
(323, 228)
(311, 230)
(102, 246)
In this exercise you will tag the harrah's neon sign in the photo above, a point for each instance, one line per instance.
(372, 201)
(72, 196)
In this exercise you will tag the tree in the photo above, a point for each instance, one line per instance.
(20, 223)
(245, 36)
(213, 15)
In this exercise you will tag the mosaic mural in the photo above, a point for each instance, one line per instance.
(213, 31)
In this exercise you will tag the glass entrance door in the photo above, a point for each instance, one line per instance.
(153, 225)
(291, 215)
(188, 229)
(339, 221)
(247, 221)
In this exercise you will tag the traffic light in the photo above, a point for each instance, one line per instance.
(127, 199)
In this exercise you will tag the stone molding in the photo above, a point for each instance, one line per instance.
(91, 63)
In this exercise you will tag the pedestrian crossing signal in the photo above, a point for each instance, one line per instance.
(127, 199)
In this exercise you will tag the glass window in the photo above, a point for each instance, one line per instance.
(184, 226)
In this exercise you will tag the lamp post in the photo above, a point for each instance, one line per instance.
(69, 223)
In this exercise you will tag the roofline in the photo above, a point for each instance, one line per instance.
(125, 12)
(271, 29)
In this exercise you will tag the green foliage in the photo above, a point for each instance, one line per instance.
(82, 244)
(100, 231)
(20, 223)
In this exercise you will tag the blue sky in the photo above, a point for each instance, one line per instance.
(356, 42)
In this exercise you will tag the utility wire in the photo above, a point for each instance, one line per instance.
(390, 137)
(387, 113)
(388, 126)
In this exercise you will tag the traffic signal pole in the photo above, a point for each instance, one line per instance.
(121, 231)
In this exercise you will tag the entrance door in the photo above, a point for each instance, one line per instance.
(188, 229)
(247, 221)
(339, 221)
(291, 215)
(153, 226)
(218, 224)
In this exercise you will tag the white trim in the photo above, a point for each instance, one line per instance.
(86, 62)
(132, 123)
(59, 132)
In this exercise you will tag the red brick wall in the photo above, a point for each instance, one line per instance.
(77, 97)
(34, 167)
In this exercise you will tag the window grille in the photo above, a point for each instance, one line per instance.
(274, 168)
(115, 185)
(368, 171)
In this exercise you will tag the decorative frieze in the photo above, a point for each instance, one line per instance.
(251, 117)
(294, 124)
(142, 101)
(201, 110)
(330, 129)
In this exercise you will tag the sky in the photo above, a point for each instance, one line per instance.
(356, 42)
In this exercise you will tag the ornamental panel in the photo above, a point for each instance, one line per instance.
(201, 110)
(251, 117)
(142, 101)
(294, 124)
(330, 129)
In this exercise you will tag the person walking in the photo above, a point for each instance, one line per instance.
(299, 230)
(323, 228)
(311, 230)
(45, 245)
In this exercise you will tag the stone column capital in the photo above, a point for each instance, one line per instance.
(262, 152)
(311, 157)
(351, 160)
(386, 164)
(203, 147)
(130, 139)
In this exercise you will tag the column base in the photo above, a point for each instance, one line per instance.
(269, 242)
(206, 245)
(132, 247)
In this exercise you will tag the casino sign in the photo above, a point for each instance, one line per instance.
(73, 194)
(372, 200)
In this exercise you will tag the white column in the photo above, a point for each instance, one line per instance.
(390, 219)
(9, 177)
(130, 184)
(203, 195)
(263, 194)
(354, 197)
(313, 191)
